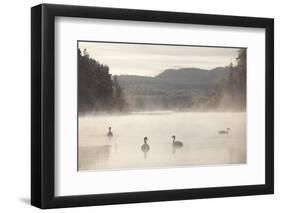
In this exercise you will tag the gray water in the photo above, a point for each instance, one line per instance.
(202, 145)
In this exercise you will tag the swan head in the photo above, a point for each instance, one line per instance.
(109, 128)
(145, 139)
(173, 137)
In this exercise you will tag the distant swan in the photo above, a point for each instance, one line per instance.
(176, 143)
(224, 132)
(145, 147)
(109, 134)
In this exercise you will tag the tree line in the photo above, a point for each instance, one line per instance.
(231, 92)
(97, 89)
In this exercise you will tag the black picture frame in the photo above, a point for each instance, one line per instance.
(43, 105)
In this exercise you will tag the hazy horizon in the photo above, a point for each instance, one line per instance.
(150, 60)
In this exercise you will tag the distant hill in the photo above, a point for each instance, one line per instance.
(193, 75)
(171, 88)
(173, 78)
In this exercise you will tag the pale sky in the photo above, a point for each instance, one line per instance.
(150, 60)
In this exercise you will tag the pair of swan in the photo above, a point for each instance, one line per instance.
(145, 147)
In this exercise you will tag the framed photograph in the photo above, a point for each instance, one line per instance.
(139, 106)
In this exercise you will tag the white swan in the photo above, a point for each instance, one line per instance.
(176, 143)
(224, 132)
(109, 134)
(145, 147)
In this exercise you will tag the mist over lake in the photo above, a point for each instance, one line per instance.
(202, 144)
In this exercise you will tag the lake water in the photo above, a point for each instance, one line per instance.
(202, 145)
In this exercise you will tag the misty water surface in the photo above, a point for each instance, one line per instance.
(202, 145)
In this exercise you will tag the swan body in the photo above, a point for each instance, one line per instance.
(224, 132)
(109, 134)
(145, 147)
(176, 143)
